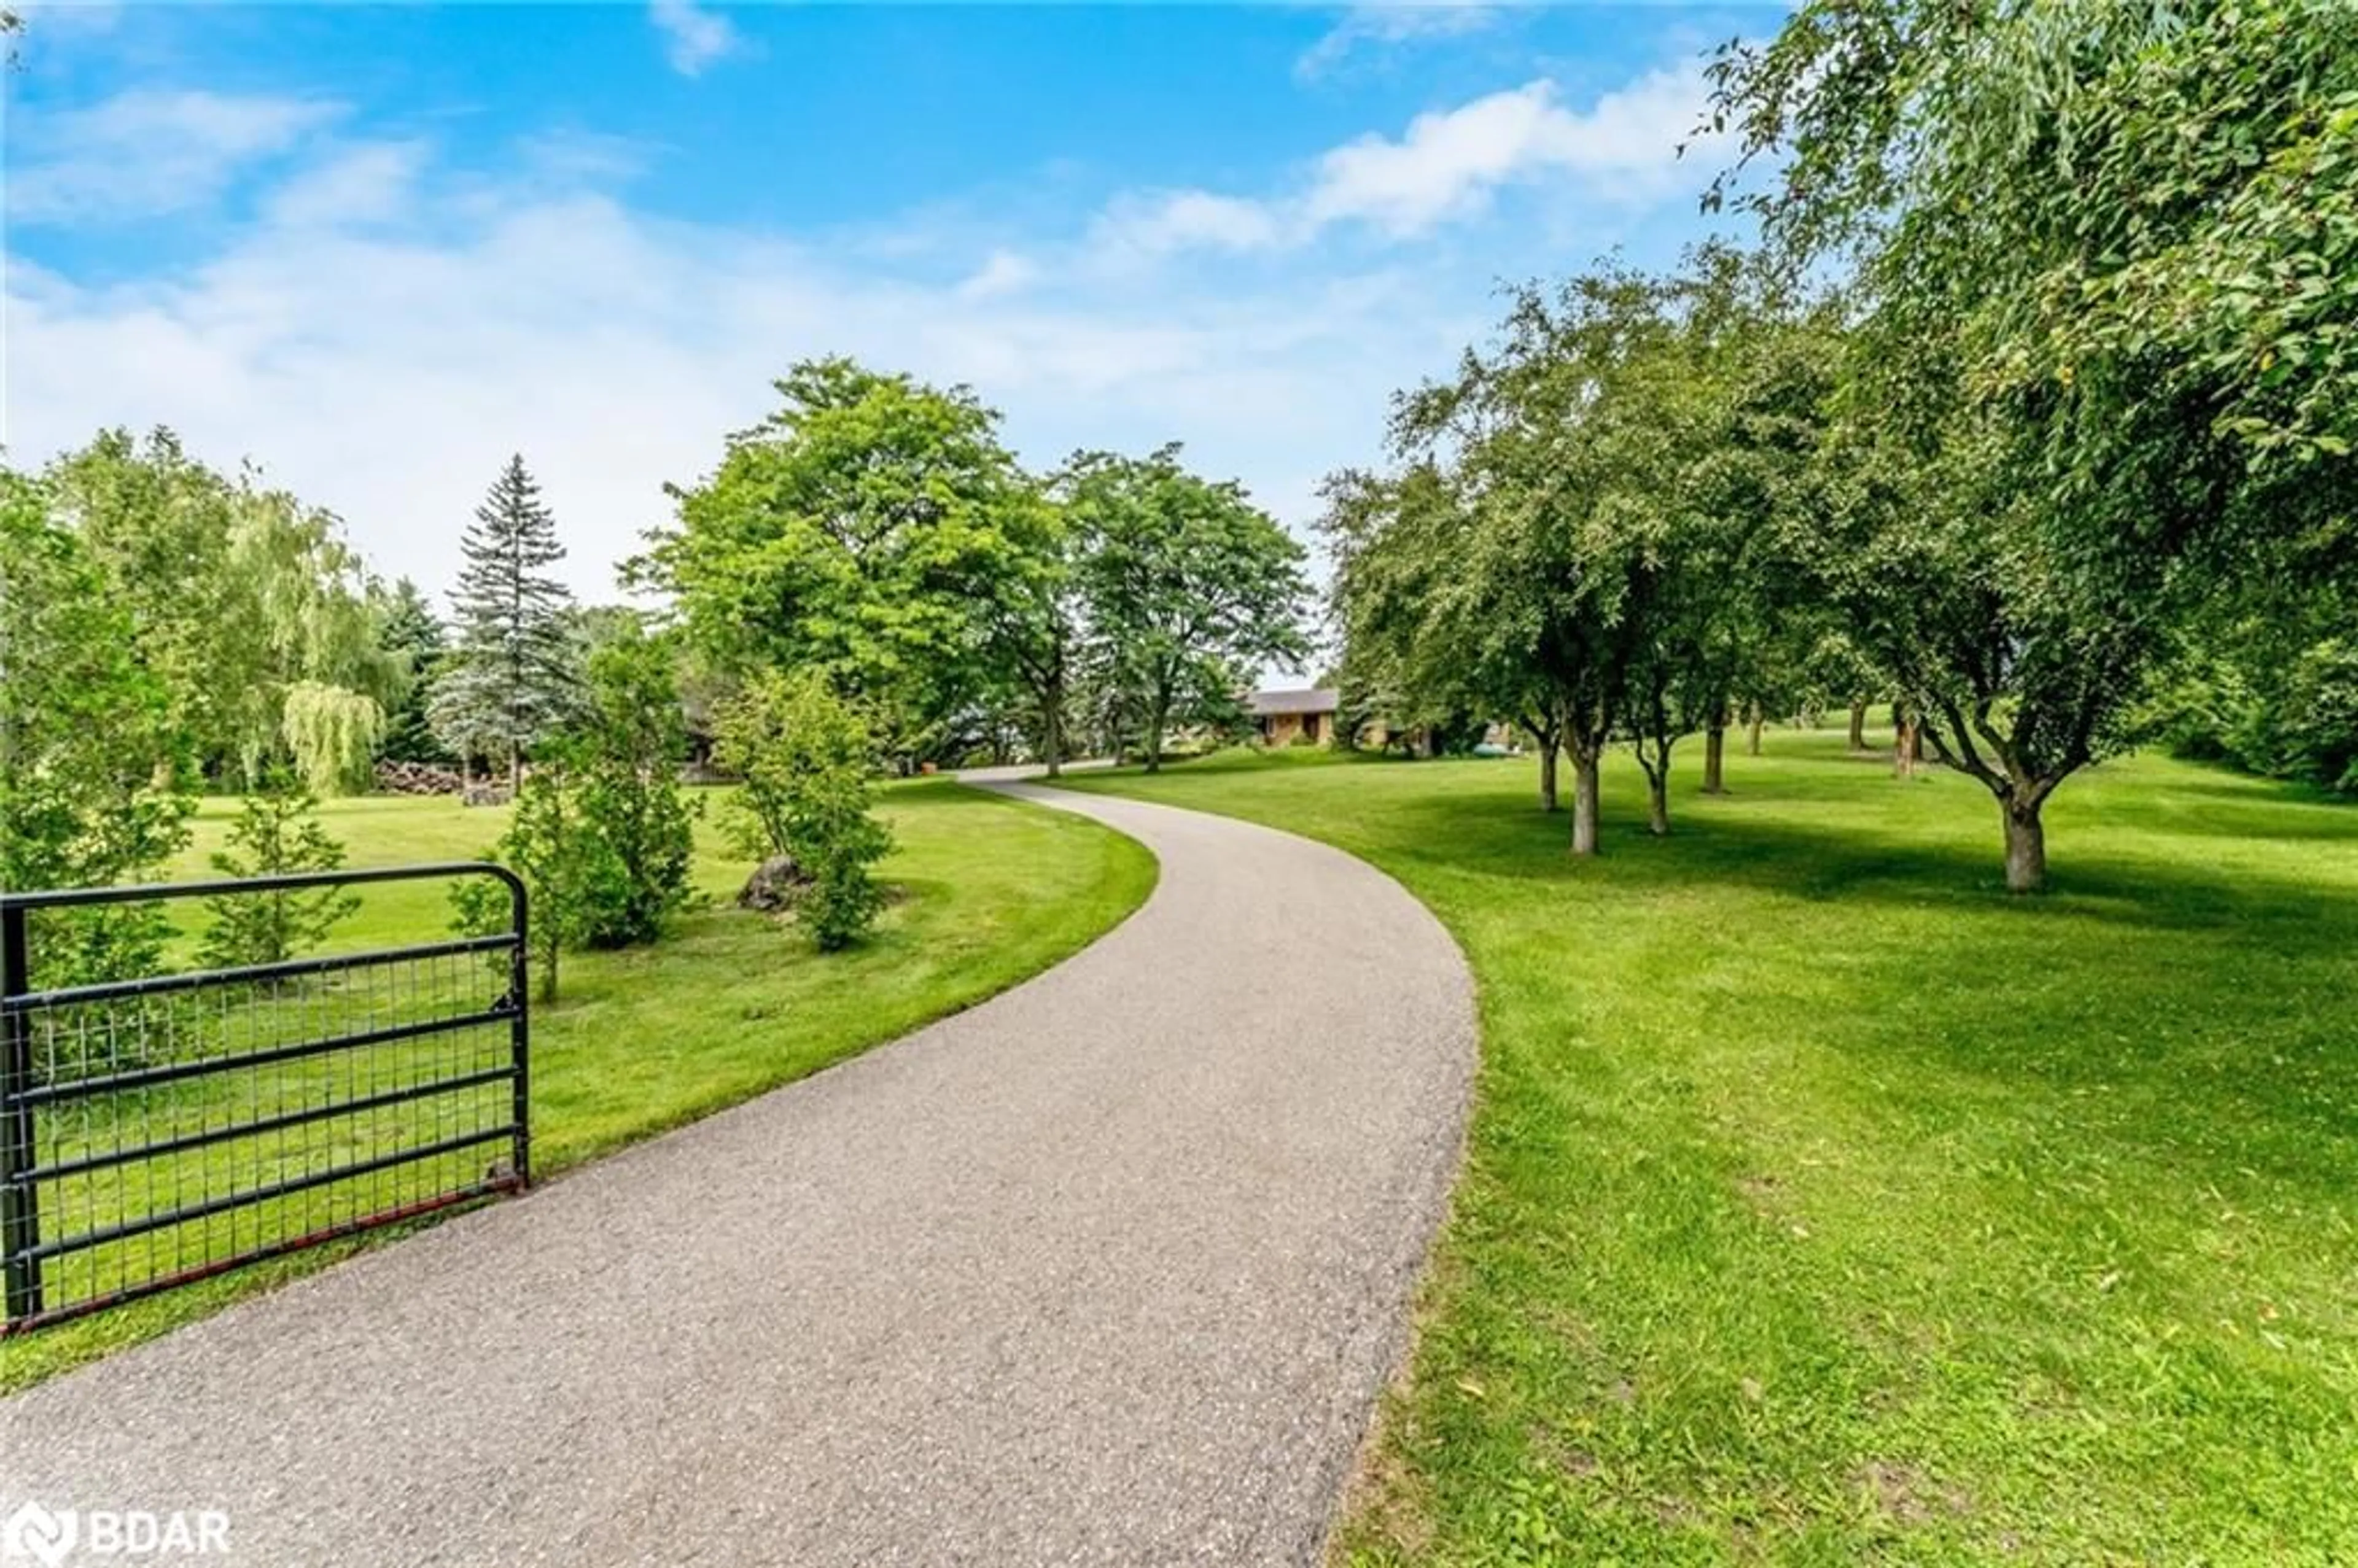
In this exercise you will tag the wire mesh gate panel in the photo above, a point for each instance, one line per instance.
(159, 1130)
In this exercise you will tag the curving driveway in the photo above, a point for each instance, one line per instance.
(1108, 1270)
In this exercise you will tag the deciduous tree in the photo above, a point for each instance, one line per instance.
(2104, 254)
(84, 725)
(1188, 586)
(864, 529)
(278, 833)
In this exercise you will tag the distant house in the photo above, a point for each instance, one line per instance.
(1281, 716)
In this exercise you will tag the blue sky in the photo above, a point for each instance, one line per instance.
(376, 249)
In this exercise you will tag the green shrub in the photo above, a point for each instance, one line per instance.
(805, 758)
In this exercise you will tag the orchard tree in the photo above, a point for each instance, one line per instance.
(2102, 374)
(513, 675)
(1186, 585)
(1419, 639)
(1542, 569)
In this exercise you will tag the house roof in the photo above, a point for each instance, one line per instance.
(1317, 699)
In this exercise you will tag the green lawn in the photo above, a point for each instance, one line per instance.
(1824, 1204)
(991, 892)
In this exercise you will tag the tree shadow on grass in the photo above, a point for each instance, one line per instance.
(2194, 1003)
(1835, 861)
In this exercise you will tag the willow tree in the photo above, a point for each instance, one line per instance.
(333, 735)
(236, 591)
(319, 677)
(2107, 254)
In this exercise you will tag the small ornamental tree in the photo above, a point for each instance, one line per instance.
(626, 750)
(806, 756)
(544, 846)
(278, 833)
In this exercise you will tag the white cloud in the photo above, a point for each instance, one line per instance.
(694, 37)
(1448, 163)
(369, 183)
(386, 370)
(146, 153)
(386, 374)
(574, 158)
(1395, 24)
(1003, 272)
(1154, 224)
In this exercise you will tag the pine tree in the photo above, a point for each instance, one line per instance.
(512, 676)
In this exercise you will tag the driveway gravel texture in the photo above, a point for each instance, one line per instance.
(1108, 1270)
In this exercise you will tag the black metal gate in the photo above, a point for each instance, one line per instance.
(160, 1130)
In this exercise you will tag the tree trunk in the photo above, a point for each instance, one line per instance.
(516, 771)
(1583, 801)
(1658, 801)
(2025, 848)
(1906, 748)
(1754, 722)
(1154, 739)
(1052, 740)
(1714, 756)
(1547, 775)
(1858, 724)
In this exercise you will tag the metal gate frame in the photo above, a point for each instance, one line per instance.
(23, 1097)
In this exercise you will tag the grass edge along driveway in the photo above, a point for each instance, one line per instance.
(993, 891)
(1826, 1205)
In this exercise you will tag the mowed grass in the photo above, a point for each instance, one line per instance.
(1826, 1205)
(989, 892)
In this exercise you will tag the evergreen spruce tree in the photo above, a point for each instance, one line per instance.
(512, 675)
(412, 637)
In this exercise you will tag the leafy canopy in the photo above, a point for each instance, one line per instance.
(864, 529)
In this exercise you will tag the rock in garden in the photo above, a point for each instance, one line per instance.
(774, 885)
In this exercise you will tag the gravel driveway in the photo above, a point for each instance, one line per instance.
(1107, 1271)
